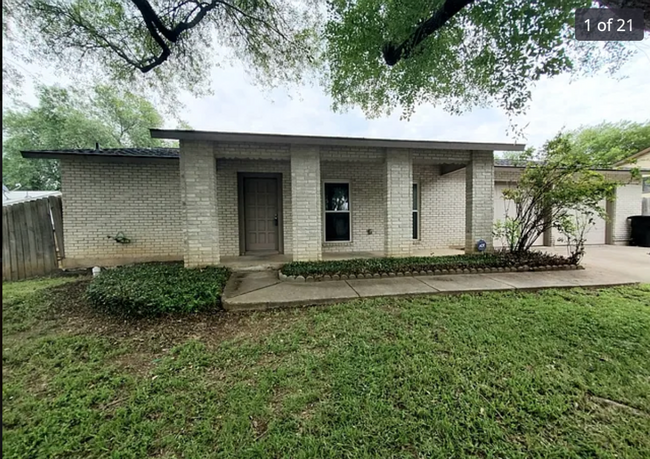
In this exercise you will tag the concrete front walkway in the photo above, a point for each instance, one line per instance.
(263, 289)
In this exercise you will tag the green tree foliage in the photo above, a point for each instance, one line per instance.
(608, 143)
(385, 54)
(375, 54)
(557, 183)
(68, 118)
(176, 42)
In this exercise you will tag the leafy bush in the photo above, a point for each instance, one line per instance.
(395, 265)
(151, 289)
(556, 182)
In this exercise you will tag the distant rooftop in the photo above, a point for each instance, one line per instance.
(169, 153)
(14, 197)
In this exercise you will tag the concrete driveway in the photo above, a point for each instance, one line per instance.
(632, 262)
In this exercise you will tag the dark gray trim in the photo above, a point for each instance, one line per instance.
(241, 214)
(330, 141)
(449, 168)
(144, 153)
(119, 160)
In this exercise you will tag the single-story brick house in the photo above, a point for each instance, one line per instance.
(223, 195)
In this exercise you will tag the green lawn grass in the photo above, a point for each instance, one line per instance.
(554, 374)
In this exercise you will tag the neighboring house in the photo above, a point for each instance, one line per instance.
(13, 197)
(642, 161)
(230, 194)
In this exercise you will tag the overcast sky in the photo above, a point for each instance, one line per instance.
(238, 105)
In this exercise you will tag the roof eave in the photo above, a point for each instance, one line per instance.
(329, 141)
(55, 155)
(617, 171)
(629, 159)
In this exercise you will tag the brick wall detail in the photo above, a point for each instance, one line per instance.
(198, 175)
(399, 203)
(139, 198)
(479, 200)
(306, 203)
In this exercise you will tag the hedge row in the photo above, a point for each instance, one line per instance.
(365, 266)
(151, 289)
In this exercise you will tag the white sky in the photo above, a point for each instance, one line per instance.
(556, 103)
(239, 105)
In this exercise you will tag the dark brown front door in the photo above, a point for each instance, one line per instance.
(261, 214)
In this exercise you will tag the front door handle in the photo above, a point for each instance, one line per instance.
(275, 220)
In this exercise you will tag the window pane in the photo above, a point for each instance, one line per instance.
(337, 196)
(646, 184)
(415, 196)
(415, 225)
(337, 226)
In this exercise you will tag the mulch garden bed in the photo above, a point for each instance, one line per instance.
(368, 268)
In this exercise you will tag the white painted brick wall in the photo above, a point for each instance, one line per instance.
(399, 200)
(139, 198)
(440, 156)
(442, 207)
(627, 203)
(270, 151)
(356, 154)
(198, 175)
(306, 203)
(479, 200)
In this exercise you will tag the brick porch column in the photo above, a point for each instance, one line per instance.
(399, 203)
(198, 170)
(479, 200)
(306, 203)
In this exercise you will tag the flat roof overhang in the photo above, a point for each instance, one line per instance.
(247, 137)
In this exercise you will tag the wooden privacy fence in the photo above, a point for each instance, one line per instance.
(32, 238)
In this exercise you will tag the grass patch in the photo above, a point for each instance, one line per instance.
(151, 289)
(555, 374)
(394, 265)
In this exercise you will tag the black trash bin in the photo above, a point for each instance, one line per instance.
(640, 234)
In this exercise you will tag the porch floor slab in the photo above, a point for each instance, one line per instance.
(248, 291)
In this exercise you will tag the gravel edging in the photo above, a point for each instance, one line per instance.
(437, 272)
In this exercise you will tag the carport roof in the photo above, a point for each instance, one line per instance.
(517, 164)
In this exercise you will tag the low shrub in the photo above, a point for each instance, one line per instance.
(393, 265)
(152, 289)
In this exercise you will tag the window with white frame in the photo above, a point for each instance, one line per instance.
(416, 212)
(337, 212)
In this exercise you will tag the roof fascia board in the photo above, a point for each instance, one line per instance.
(330, 141)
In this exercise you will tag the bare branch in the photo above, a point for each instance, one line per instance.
(394, 53)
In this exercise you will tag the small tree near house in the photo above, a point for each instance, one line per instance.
(557, 184)
(574, 229)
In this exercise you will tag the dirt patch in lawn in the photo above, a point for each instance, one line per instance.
(74, 314)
